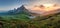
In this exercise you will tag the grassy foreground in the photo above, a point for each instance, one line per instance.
(22, 21)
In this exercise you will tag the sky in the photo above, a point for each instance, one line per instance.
(11, 4)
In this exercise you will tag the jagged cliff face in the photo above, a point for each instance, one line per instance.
(19, 10)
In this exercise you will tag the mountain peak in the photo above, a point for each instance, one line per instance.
(22, 6)
(20, 10)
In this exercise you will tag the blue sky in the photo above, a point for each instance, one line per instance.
(11, 4)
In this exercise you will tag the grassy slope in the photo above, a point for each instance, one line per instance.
(22, 21)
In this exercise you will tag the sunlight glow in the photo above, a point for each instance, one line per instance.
(48, 5)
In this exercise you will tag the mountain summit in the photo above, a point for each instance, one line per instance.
(19, 10)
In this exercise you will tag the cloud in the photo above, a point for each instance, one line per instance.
(42, 9)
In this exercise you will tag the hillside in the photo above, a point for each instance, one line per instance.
(22, 21)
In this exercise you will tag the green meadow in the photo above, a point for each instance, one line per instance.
(22, 21)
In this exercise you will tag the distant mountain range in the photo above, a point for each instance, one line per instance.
(52, 12)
